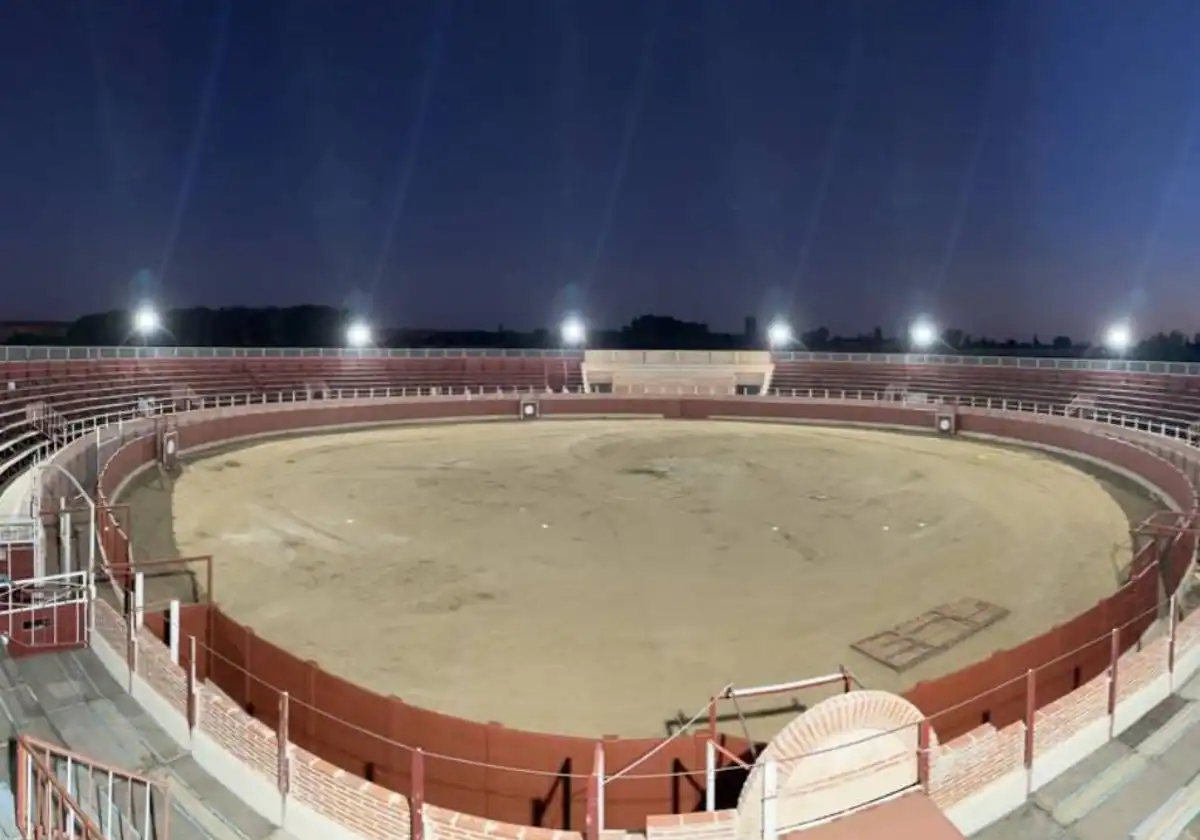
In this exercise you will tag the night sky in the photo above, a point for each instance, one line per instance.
(1006, 167)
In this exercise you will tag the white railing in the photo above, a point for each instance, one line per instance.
(128, 405)
(51, 354)
(1027, 362)
(129, 409)
(22, 596)
(39, 451)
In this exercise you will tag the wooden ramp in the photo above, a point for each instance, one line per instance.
(912, 816)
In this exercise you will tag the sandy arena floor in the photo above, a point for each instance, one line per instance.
(599, 577)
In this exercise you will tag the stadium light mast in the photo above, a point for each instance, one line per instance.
(779, 334)
(1119, 338)
(146, 322)
(358, 334)
(573, 331)
(923, 334)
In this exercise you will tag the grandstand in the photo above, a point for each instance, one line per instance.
(49, 400)
(58, 404)
(1149, 392)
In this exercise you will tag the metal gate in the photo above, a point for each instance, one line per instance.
(46, 613)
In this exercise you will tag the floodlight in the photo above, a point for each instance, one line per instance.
(779, 334)
(923, 335)
(146, 320)
(1118, 338)
(358, 334)
(574, 331)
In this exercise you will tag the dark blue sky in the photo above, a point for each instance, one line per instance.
(1008, 167)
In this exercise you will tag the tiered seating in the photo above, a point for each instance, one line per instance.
(44, 399)
(86, 392)
(68, 395)
(1173, 398)
(479, 374)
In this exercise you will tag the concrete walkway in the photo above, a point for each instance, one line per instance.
(14, 499)
(1145, 785)
(69, 699)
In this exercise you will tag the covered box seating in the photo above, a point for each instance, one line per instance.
(677, 371)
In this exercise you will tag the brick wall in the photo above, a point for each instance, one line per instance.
(1065, 717)
(969, 762)
(442, 824)
(715, 825)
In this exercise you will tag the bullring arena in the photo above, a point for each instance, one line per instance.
(514, 551)
(925, 565)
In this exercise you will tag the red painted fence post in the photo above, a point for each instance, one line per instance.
(1173, 629)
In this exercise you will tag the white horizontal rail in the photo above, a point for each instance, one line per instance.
(117, 413)
(734, 693)
(58, 355)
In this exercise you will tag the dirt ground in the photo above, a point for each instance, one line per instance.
(603, 577)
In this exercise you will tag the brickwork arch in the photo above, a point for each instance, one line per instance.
(846, 751)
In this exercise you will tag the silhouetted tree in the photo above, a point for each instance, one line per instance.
(323, 326)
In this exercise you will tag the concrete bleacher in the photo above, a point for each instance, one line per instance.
(677, 371)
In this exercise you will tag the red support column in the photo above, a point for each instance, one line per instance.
(191, 686)
(712, 718)
(1173, 629)
(247, 666)
(1030, 713)
(416, 799)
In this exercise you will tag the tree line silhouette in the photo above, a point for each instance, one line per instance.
(324, 326)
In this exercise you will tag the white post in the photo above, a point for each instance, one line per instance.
(91, 559)
(70, 794)
(710, 775)
(602, 773)
(139, 598)
(64, 539)
(173, 629)
(770, 801)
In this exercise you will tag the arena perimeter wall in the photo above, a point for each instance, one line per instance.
(339, 721)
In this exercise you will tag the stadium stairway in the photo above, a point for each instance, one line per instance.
(69, 699)
(1142, 785)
